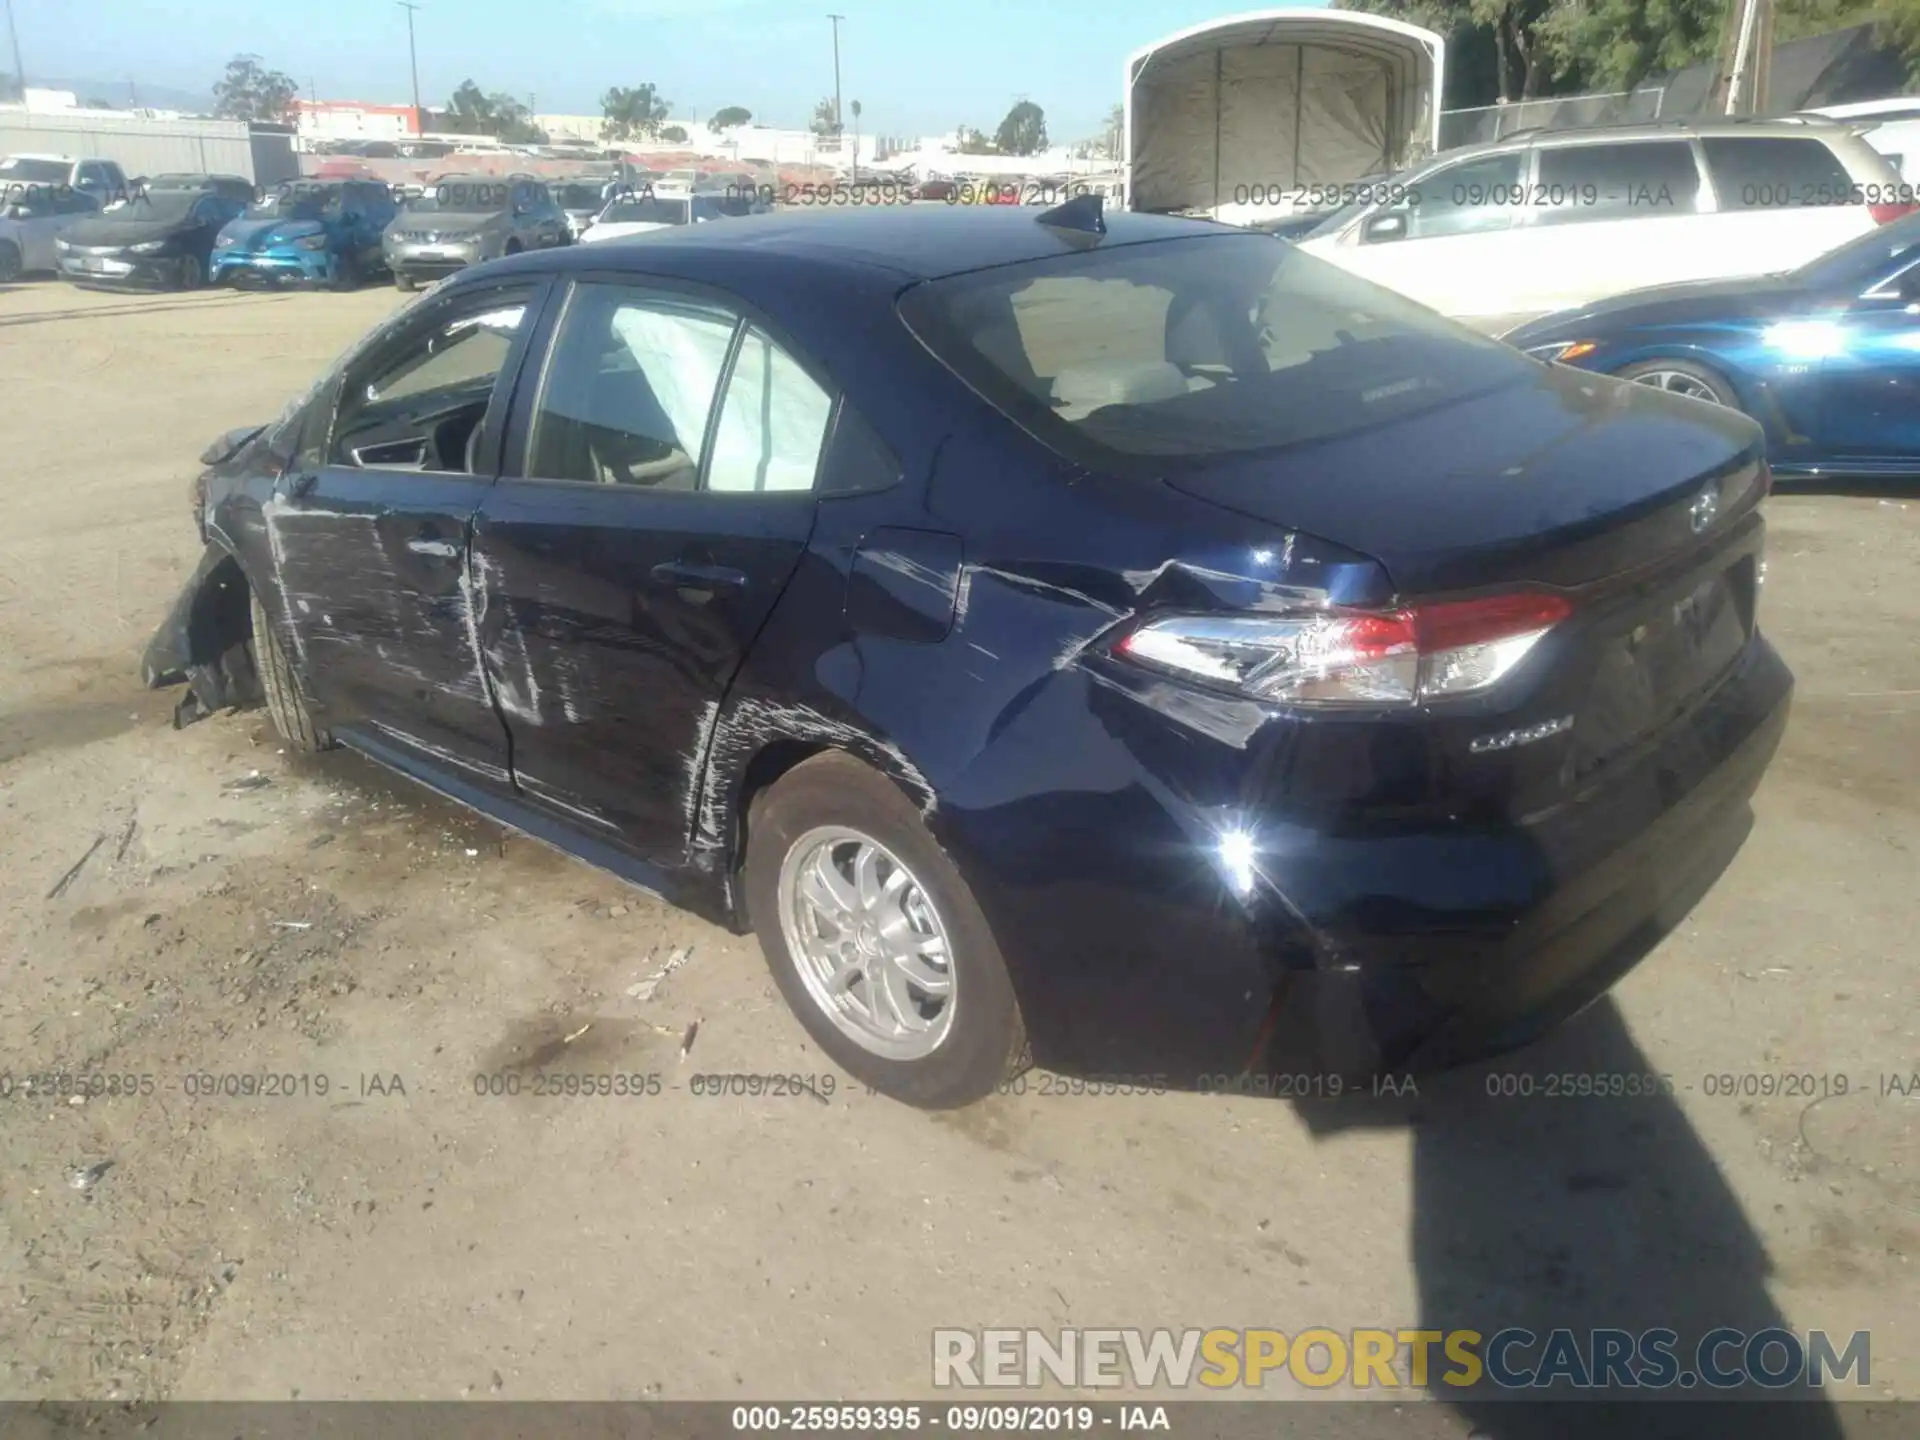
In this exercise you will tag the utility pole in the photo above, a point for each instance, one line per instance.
(836, 19)
(413, 59)
(20, 70)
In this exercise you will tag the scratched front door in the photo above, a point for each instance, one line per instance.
(370, 548)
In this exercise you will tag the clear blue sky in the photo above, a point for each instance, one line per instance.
(916, 68)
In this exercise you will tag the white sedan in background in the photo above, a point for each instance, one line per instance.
(638, 214)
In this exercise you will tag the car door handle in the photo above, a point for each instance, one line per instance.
(691, 575)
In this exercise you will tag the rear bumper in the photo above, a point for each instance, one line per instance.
(1363, 943)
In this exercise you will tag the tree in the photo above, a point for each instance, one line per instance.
(631, 114)
(1114, 128)
(1023, 132)
(250, 91)
(729, 116)
(96, 103)
(473, 111)
(469, 112)
(675, 133)
(973, 142)
(826, 118)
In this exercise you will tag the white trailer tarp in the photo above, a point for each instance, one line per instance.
(1230, 118)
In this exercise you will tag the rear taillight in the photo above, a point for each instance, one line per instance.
(1887, 214)
(1328, 655)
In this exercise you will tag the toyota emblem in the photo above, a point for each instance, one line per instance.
(1706, 505)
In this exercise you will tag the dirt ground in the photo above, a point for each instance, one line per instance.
(236, 912)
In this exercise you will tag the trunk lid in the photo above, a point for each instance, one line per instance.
(1565, 480)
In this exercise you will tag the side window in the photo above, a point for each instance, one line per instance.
(75, 202)
(417, 402)
(1764, 172)
(773, 421)
(1583, 183)
(629, 389)
(1470, 198)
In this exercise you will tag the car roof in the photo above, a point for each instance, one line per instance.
(38, 155)
(1788, 127)
(910, 242)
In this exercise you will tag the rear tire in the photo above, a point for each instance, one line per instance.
(835, 805)
(9, 262)
(282, 687)
(1682, 377)
(402, 282)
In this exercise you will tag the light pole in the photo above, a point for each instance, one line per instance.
(836, 19)
(20, 70)
(413, 60)
(856, 139)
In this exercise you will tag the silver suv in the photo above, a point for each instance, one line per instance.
(460, 220)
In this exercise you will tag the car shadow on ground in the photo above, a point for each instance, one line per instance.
(1548, 1211)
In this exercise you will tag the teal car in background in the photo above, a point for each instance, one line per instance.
(313, 232)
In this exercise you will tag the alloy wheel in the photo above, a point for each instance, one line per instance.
(1678, 382)
(868, 943)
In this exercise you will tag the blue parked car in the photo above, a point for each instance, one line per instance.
(1122, 640)
(318, 232)
(1826, 357)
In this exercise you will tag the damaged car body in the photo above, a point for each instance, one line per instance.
(1116, 643)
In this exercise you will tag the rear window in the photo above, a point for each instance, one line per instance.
(1196, 347)
(1763, 173)
(1582, 183)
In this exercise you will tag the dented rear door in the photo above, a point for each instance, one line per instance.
(369, 538)
(663, 498)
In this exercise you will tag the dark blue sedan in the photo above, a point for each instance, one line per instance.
(1826, 357)
(1129, 645)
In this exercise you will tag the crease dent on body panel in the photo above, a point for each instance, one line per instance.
(272, 515)
(514, 687)
(473, 609)
(750, 724)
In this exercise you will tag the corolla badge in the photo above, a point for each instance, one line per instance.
(1705, 507)
(1525, 735)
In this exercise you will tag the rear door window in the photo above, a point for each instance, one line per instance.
(772, 421)
(1580, 184)
(629, 389)
(1767, 172)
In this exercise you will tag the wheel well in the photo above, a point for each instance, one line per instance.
(769, 765)
(763, 772)
(222, 615)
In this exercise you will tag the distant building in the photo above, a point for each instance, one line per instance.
(354, 120)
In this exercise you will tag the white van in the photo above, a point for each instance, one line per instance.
(1547, 219)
